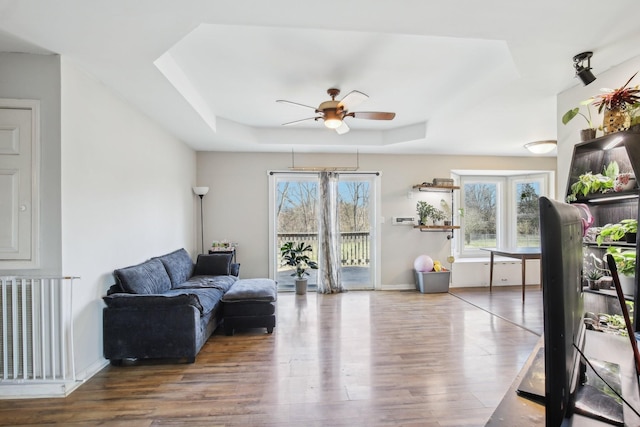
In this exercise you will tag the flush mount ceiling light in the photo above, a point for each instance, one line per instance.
(584, 72)
(541, 147)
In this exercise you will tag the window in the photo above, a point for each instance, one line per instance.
(499, 211)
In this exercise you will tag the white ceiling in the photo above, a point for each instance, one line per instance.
(463, 76)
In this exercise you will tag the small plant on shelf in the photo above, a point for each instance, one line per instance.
(625, 260)
(437, 215)
(592, 278)
(447, 211)
(589, 183)
(424, 211)
(618, 231)
(569, 115)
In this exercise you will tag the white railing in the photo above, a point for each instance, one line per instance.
(36, 330)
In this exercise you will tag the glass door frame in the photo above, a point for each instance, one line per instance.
(375, 212)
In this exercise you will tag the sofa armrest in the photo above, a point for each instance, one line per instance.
(153, 301)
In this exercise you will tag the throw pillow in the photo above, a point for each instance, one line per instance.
(213, 265)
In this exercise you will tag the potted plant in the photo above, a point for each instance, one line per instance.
(296, 256)
(589, 183)
(592, 279)
(626, 264)
(590, 131)
(626, 228)
(438, 216)
(446, 209)
(616, 104)
(424, 211)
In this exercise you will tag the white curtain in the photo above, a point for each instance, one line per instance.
(329, 280)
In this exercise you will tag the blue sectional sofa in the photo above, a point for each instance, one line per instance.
(165, 307)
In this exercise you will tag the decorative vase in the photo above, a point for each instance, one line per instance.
(616, 119)
(624, 182)
(587, 134)
(301, 286)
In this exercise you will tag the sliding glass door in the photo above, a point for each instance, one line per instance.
(294, 212)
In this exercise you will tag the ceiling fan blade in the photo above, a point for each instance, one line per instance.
(372, 115)
(352, 99)
(295, 122)
(343, 128)
(282, 101)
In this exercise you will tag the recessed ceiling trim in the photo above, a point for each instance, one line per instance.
(177, 77)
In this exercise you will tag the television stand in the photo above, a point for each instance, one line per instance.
(516, 410)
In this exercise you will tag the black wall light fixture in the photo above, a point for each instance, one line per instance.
(582, 71)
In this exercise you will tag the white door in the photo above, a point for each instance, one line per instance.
(16, 186)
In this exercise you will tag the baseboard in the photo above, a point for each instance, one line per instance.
(48, 389)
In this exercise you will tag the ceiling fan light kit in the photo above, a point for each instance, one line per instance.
(332, 118)
(333, 112)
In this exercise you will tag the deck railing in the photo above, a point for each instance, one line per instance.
(354, 247)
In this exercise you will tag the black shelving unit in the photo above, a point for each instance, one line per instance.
(608, 208)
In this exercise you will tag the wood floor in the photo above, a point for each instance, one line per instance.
(355, 359)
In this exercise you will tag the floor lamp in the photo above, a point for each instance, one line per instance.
(201, 191)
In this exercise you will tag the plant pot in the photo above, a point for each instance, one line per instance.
(587, 134)
(605, 282)
(616, 119)
(624, 182)
(447, 223)
(593, 284)
(301, 286)
(630, 237)
(628, 285)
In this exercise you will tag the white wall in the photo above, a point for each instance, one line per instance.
(236, 207)
(126, 196)
(569, 135)
(25, 76)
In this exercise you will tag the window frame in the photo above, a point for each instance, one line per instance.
(506, 205)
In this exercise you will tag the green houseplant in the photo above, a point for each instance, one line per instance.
(626, 228)
(424, 211)
(625, 260)
(296, 256)
(592, 277)
(589, 183)
(590, 131)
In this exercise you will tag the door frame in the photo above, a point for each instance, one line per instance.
(34, 259)
(375, 222)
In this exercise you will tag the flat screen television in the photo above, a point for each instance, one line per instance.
(569, 386)
(561, 247)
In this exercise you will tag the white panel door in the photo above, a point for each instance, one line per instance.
(16, 160)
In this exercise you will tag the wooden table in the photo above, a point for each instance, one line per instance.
(523, 254)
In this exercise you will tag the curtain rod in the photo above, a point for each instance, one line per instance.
(315, 172)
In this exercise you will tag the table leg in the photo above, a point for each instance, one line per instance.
(491, 272)
(524, 275)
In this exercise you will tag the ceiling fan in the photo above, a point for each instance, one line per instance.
(334, 112)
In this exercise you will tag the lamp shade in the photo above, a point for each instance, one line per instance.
(541, 147)
(200, 191)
